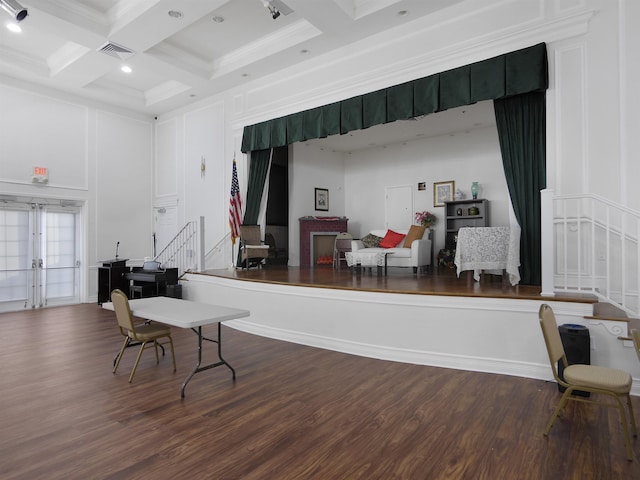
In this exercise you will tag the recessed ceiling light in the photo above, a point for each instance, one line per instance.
(14, 27)
(218, 19)
(126, 69)
(175, 13)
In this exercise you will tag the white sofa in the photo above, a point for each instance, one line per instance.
(418, 256)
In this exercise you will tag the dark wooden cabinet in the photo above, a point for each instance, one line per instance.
(112, 275)
(464, 213)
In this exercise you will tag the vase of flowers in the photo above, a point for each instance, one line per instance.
(426, 219)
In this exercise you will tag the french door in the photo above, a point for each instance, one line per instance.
(39, 255)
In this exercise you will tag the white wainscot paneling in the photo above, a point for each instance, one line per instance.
(495, 335)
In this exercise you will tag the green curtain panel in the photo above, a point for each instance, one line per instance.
(455, 88)
(487, 79)
(400, 102)
(521, 123)
(374, 108)
(258, 168)
(350, 115)
(279, 132)
(330, 120)
(514, 73)
(426, 95)
(294, 128)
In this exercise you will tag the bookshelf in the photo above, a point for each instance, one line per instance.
(457, 215)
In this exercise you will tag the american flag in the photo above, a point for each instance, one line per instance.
(235, 207)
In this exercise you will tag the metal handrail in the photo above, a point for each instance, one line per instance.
(184, 251)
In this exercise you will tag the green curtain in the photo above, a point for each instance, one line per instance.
(514, 73)
(521, 123)
(259, 166)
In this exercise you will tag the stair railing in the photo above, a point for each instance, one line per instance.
(593, 244)
(185, 250)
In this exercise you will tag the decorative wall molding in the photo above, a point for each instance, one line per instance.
(275, 95)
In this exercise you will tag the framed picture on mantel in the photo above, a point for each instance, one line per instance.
(443, 192)
(322, 199)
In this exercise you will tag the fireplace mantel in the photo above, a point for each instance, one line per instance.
(310, 226)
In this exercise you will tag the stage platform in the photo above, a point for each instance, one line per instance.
(434, 318)
(442, 281)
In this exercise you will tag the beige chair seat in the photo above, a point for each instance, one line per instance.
(593, 376)
(145, 333)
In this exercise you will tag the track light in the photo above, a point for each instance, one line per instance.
(13, 8)
(275, 13)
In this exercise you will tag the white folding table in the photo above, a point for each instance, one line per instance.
(187, 314)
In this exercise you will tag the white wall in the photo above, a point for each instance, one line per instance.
(464, 157)
(311, 167)
(99, 156)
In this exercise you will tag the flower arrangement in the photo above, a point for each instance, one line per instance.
(426, 219)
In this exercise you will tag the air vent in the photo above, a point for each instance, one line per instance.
(115, 50)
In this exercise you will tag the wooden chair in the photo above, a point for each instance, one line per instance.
(253, 250)
(341, 246)
(147, 335)
(590, 378)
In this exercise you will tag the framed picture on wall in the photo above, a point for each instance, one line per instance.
(443, 192)
(322, 199)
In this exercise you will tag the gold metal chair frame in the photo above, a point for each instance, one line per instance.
(617, 384)
(635, 336)
(146, 335)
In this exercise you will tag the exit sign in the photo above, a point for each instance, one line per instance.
(40, 175)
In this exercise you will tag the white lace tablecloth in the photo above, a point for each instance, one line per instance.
(365, 259)
(489, 248)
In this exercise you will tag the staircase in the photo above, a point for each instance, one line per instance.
(185, 250)
(608, 312)
(590, 246)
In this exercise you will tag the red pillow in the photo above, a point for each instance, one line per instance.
(391, 239)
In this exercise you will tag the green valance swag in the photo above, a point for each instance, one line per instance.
(514, 73)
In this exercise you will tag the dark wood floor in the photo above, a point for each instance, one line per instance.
(443, 281)
(294, 412)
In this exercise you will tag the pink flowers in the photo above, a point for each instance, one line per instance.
(426, 219)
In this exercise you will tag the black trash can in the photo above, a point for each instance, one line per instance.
(577, 347)
(174, 291)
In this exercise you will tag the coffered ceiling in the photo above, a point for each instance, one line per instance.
(183, 50)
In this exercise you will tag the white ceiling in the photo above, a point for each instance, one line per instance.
(177, 61)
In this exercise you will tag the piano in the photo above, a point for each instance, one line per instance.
(151, 278)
